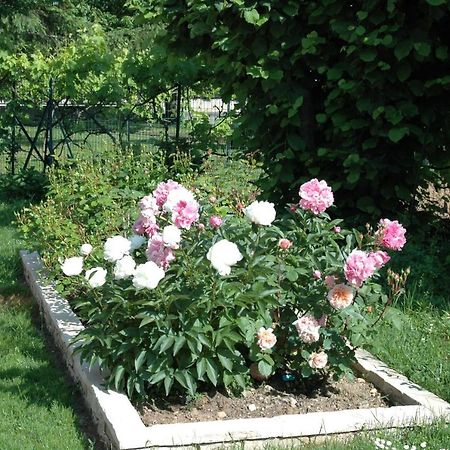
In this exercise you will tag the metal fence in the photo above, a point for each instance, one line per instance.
(35, 135)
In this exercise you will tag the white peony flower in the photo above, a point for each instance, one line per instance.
(86, 249)
(136, 241)
(171, 236)
(261, 213)
(177, 195)
(72, 266)
(116, 247)
(224, 254)
(96, 276)
(147, 276)
(124, 268)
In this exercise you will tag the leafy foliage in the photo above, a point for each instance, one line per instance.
(354, 93)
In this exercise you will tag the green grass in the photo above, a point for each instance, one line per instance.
(37, 404)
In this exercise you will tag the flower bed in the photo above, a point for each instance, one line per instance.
(119, 424)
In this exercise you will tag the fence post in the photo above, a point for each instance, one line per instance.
(178, 119)
(48, 161)
(13, 131)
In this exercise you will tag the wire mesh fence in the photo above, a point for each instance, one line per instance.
(33, 136)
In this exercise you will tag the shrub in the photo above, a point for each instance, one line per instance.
(200, 299)
(88, 199)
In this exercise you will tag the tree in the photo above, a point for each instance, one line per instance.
(356, 93)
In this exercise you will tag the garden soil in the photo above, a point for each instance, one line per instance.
(269, 399)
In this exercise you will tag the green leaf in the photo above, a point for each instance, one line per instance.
(251, 16)
(296, 141)
(201, 368)
(397, 133)
(404, 71)
(436, 2)
(139, 360)
(368, 54)
(224, 360)
(211, 371)
(422, 48)
(321, 118)
(353, 177)
(179, 342)
(403, 49)
(168, 382)
(264, 368)
(167, 342)
(118, 376)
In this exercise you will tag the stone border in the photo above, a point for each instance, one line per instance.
(119, 424)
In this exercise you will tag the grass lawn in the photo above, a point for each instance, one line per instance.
(39, 409)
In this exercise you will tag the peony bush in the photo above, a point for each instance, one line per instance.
(194, 298)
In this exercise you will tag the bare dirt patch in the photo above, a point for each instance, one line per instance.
(267, 400)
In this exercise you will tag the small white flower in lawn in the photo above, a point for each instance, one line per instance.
(423, 444)
(86, 249)
(136, 241)
(96, 276)
(261, 213)
(388, 443)
(124, 268)
(72, 266)
(116, 247)
(224, 254)
(171, 236)
(147, 276)
(406, 447)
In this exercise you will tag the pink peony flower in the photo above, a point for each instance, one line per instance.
(266, 338)
(330, 281)
(317, 274)
(163, 189)
(145, 225)
(149, 203)
(316, 196)
(340, 296)
(391, 234)
(284, 244)
(307, 328)
(358, 267)
(318, 360)
(157, 252)
(215, 221)
(184, 214)
(379, 258)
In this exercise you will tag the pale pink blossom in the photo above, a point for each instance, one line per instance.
(157, 252)
(317, 274)
(307, 328)
(163, 189)
(184, 214)
(323, 320)
(266, 338)
(215, 221)
(145, 226)
(284, 244)
(330, 281)
(337, 229)
(391, 234)
(340, 296)
(316, 196)
(358, 267)
(379, 258)
(201, 226)
(149, 203)
(318, 360)
(293, 208)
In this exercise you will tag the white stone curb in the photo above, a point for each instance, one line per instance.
(119, 424)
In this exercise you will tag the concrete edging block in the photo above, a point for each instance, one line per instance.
(119, 424)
